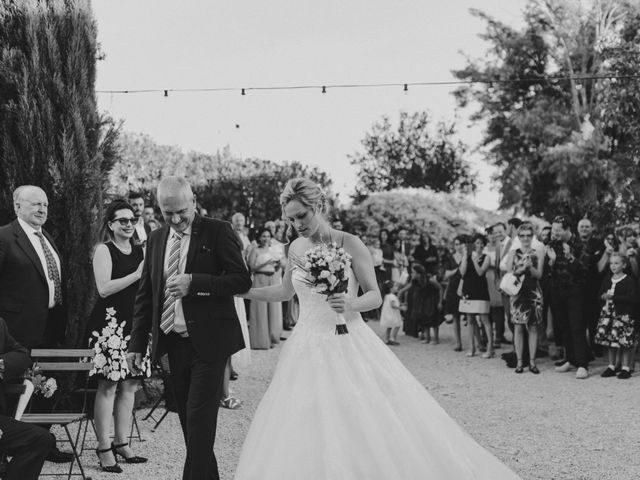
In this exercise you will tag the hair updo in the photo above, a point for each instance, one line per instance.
(308, 193)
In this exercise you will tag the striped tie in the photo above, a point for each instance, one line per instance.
(168, 308)
(52, 269)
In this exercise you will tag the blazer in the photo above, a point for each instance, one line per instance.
(16, 361)
(24, 293)
(218, 273)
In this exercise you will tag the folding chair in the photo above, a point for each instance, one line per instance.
(162, 367)
(77, 362)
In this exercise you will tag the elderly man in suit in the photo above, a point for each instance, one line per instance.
(31, 282)
(192, 269)
(27, 444)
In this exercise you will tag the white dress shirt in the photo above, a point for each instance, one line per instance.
(179, 323)
(142, 233)
(35, 241)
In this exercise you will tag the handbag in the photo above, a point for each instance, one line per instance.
(510, 284)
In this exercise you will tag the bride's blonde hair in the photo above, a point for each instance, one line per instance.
(306, 192)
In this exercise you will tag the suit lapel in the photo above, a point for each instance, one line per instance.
(25, 244)
(159, 253)
(194, 242)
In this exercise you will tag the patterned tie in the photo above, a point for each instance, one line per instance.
(168, 308)
(52, 270)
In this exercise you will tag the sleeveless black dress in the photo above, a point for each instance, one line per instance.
(122, 301)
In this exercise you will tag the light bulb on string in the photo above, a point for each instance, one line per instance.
(242, 93)
(324, 89)
(166, 93)
(406, 88)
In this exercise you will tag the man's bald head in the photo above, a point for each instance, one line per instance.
(31, 205)
(177, 202)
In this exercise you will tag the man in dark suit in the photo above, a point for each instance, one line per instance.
(27, 444)
(192, 269)
(142, 230)
(31, 282)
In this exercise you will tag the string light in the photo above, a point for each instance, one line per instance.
(489, 81)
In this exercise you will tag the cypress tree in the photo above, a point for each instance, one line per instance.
(52, 135)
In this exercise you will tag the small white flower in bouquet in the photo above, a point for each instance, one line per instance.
(326, 267)
(41, 385)
(110, 347)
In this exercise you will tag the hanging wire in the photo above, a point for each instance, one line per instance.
(405, 86)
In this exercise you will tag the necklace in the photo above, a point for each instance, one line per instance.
(126, 250)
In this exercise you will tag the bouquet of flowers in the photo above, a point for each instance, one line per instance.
(326, 270)
(110, 347)
(41, 385)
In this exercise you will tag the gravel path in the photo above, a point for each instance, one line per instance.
(547, 426)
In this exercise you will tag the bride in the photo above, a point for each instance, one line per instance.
(343, 407)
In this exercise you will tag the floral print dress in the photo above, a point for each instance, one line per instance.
(617, 323)
(526, 306)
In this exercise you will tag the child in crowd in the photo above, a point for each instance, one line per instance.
(390, 318)
(617, 325)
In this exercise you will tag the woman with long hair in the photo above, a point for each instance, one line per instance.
(117, 266)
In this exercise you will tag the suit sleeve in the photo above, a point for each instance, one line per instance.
(235, 278)
(16, 357)
(142, 308)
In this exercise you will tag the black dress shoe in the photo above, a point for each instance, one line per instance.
(559, 363)
(56, 456)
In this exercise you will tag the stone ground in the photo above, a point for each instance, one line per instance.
(545, 427)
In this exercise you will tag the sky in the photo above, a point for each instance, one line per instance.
(164, 44)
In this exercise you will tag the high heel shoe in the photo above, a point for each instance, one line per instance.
(108, 468)
(534, 369)
(134, 459)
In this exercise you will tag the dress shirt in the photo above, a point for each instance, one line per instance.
(142, 233)
(35, 241)
(179, 323)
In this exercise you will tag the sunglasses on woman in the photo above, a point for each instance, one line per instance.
(125, 221)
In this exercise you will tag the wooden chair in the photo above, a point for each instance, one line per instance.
(78, 360)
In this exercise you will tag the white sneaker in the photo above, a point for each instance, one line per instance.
(565, 367)
(582, 373)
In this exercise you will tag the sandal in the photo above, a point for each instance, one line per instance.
(519, 369)
(534, 369)
(231, 403)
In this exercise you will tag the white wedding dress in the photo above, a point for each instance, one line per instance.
(343, 407)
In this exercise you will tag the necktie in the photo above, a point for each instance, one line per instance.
(52, 270)
(168, 308)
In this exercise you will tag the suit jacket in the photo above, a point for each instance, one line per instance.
(16, 361)
(218, 272)
(24, 293)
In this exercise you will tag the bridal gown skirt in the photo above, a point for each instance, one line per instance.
(343, 407)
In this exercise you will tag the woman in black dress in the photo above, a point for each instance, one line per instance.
(388, 258)
(117, 266)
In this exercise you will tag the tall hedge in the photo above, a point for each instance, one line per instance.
(52, 135)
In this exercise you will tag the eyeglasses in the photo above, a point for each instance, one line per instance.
(125, 221)
(525, 235)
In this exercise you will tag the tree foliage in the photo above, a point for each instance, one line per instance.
(441, 215)
(411, 155)
(51, 134)
(561, 145)
(223, 183)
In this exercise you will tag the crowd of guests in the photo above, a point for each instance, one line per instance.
(553, 286)
(572, 295)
